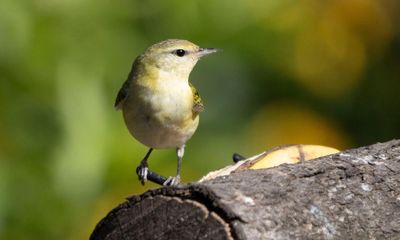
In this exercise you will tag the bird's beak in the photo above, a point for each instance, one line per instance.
(206, 51)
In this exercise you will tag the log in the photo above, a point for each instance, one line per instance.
(354, 194)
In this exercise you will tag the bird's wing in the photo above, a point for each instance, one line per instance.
(124, 91)
(198, 106)
(122, 94)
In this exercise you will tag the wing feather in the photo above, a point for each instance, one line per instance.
(124, 91)
(198, 105)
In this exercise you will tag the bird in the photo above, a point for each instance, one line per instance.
(160, 106)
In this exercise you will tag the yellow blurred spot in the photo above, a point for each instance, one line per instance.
(289, 123)
(328, 59)
(369, 18)
(330, 40)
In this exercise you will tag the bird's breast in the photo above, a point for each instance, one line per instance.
(172, 101)
(161, 116)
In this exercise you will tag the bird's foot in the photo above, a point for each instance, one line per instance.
(172, 181)
(142, 170)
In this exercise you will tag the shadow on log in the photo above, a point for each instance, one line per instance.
(354, 194)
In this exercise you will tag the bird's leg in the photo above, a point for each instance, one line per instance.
(171, 181)
(143, 168)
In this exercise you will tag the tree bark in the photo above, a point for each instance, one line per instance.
(354, 194)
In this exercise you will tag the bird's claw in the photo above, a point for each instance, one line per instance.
(142, 171)
(172, 181)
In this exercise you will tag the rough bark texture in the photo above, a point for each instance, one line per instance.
(351, 195)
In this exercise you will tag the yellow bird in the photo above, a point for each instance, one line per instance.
(160, 107)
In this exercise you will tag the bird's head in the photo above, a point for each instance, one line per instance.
(175, 56)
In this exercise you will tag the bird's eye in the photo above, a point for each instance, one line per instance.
(180, 52)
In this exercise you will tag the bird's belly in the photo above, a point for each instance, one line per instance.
(160, 123)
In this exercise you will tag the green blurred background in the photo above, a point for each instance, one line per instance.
(311, 72)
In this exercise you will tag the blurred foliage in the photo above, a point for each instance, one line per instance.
(311, 72)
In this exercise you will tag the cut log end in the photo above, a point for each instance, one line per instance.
(161, 216)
